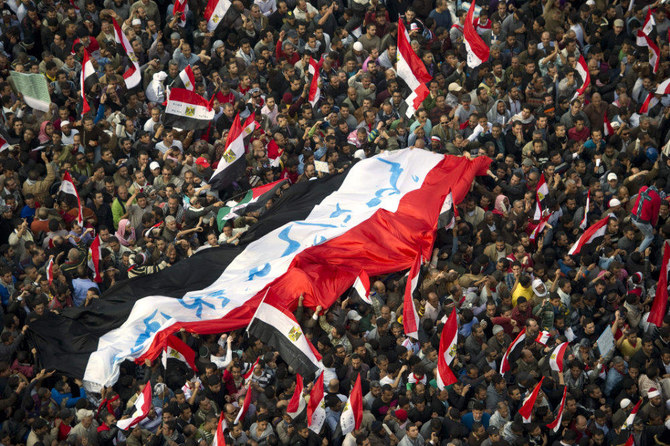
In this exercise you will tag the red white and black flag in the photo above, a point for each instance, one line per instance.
(526, 409)
(447, 353)
(478, 52)
(88, 80)
(215, 11)
(313, 242)
(94, 259)
(654, 53)
(233, 162)
(219, 436)
(410, 317)
(556, 424)
(593, 232)
(180, 9)
(4, 145)
(187, 110)
(67, 187)
(142, 407)
(448, 213)
(352, 414)
(185, 80)
(504, 363)
(314, 89)
(585, 220)
(177, 349)
(583, 71)
(245, 406)
(50, 270)
(412, 70)
(361, 288)
(541, 191)
(316, 408)
(556, 358)
(297, 403)
(132, 76)
(660, 304)
(631, 417)
(278, 328)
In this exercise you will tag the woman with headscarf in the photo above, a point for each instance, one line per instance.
(46, 130)
(501, 206)
(125, 233)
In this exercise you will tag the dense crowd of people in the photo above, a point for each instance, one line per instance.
(144, 191)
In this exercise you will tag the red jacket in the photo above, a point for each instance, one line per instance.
(647, 204)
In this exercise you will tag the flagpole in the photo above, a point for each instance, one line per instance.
(257, 308)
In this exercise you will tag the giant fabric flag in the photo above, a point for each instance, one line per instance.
(214, 12)
(187, 110)
(253, 200)
(132, 76)
(659, 306)
(410, 317)
(412, 70)
(478, 52)
(278, 328)
(313, 242)
(232, 162)
(88, 80)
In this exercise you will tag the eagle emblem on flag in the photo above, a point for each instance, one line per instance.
(452, 351)
(294, 334)
(553, 356)
(229, 156)
(190, 111)
(216, 18)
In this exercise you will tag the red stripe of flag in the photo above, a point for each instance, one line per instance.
(658, 307)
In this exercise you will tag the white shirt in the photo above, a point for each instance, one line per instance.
(69, 139)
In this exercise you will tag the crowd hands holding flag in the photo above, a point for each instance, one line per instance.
(541, 317)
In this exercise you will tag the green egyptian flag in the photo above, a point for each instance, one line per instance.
(34, 88)
(254, 199)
